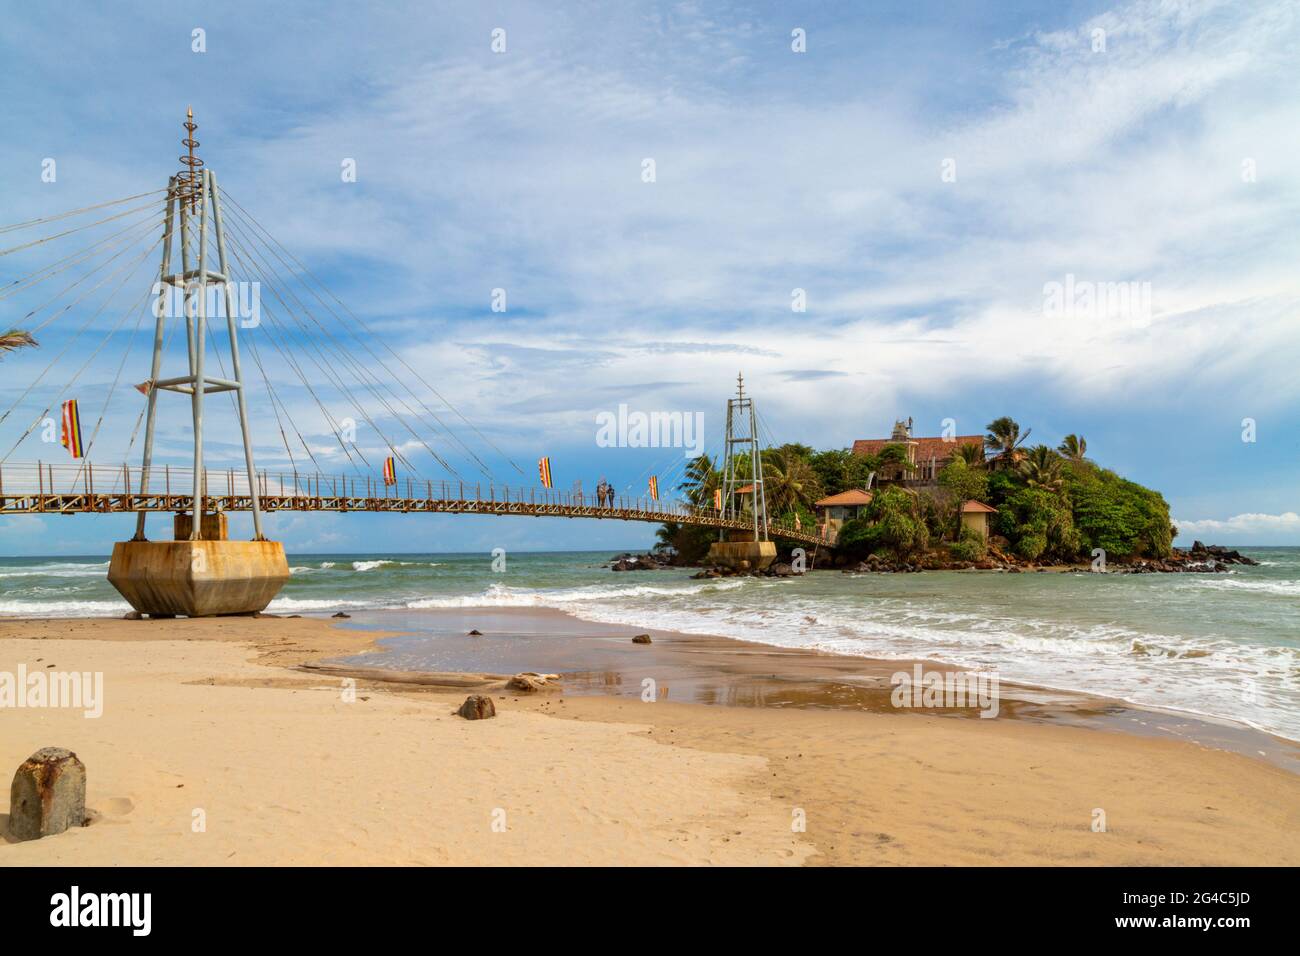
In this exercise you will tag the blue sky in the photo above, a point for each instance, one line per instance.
(1164, 159)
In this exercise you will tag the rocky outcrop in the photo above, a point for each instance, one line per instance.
(641, 639)
(636, 562)
(1218, 553)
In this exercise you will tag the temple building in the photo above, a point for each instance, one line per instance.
(924, 457)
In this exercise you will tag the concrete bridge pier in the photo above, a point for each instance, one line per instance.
(198, 578)
(742, 555)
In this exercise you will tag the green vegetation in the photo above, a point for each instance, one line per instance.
(1053, 504)
(970, 546)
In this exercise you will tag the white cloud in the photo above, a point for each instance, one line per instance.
(1280, 528)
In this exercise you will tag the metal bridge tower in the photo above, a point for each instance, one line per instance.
(737, 549)
(195, 188)
(742, 430)
(201, 573)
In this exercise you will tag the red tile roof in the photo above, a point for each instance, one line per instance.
(977, 507)
(940, 449)
(854, 496)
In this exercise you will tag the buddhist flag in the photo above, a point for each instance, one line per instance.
(544, 471)
(654, 487)
(72, 429)
(717, 498)
(390, 472)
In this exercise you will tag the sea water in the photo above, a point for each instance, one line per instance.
(1218, 645)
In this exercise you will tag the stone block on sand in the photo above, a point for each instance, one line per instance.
(48, 794)
(477, 707)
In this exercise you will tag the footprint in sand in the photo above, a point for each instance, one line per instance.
(117, 806)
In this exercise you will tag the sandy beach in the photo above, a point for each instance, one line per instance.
(216, 722)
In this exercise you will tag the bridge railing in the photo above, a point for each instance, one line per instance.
(42, 478)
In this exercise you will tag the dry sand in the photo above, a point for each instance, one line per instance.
(211, 716)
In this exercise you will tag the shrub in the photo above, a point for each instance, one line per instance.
(970, 546)
(1116, 514)
(1037, 523)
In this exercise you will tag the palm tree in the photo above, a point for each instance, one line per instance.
(15, 339)
(668, 534)
(971, 454)
(1004, 440)
(699, 479)
(1074, 447)
(789, 482)
(1042, 469)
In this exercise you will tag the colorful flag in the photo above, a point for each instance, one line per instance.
(717, 498)
(654, 487)
(390, 472)
(544, 471)
(72, 429)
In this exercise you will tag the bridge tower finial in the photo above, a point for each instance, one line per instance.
(187, 180)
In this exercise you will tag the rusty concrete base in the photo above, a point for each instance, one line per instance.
(742, 555)
(198, 578)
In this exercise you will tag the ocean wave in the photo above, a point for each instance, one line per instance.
(500, 595)
(63, 608)
(318, 604)
(1289, 588)
(391, 563)
(56, 570)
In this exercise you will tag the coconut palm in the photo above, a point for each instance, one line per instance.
(15, 339)
(1041, 467)
(1073, 447)
(789, 482)
(699, 480)
(971, 454)
(1004, 440)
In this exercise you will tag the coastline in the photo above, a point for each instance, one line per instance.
(290, 773)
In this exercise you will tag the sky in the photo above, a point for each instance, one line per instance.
(1081, 215)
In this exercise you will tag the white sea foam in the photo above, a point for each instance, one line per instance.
(500, 595)
(1289, 588)
(63, 608)
(57, 570)
(390, 563)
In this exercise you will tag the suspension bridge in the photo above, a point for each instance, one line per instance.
(315, 358)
